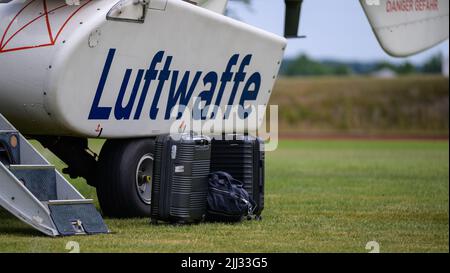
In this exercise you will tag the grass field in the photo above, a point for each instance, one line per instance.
(410, 105)
(322, 196)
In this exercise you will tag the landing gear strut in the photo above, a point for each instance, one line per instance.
(75, 152)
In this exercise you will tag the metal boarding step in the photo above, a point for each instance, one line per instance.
(35, 192)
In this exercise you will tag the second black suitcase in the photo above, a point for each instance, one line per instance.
(243, 158)
(180, 185)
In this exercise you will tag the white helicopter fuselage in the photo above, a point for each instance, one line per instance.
(102, 70)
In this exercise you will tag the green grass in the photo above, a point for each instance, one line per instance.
(322, 196)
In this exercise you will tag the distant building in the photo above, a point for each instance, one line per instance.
(445, 65)
(385, 73)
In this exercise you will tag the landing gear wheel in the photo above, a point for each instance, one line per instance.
(125, 175)
(144, 176)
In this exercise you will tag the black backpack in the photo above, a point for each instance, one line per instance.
(228, 201)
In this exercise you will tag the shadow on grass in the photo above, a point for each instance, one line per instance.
(11, 226)
(20, 232)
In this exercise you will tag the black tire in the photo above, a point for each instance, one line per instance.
(116, 189)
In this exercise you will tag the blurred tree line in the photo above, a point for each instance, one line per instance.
(306, 66)
(431, 66)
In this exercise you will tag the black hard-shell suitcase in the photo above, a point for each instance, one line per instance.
(180, 185)
(241, 156)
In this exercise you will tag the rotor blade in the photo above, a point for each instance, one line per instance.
(405, 30)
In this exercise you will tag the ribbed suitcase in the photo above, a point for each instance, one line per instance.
(243, 158)
(180, 185)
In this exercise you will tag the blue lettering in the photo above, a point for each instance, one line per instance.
(180, 91)
(121, 112)
(98, 112)
(150, 75)
(163, 77)
(238, 79)
(249, 94)
(207, 95)
(226, 77)
(180, 94)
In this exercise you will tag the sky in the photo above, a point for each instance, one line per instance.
(336, 30)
